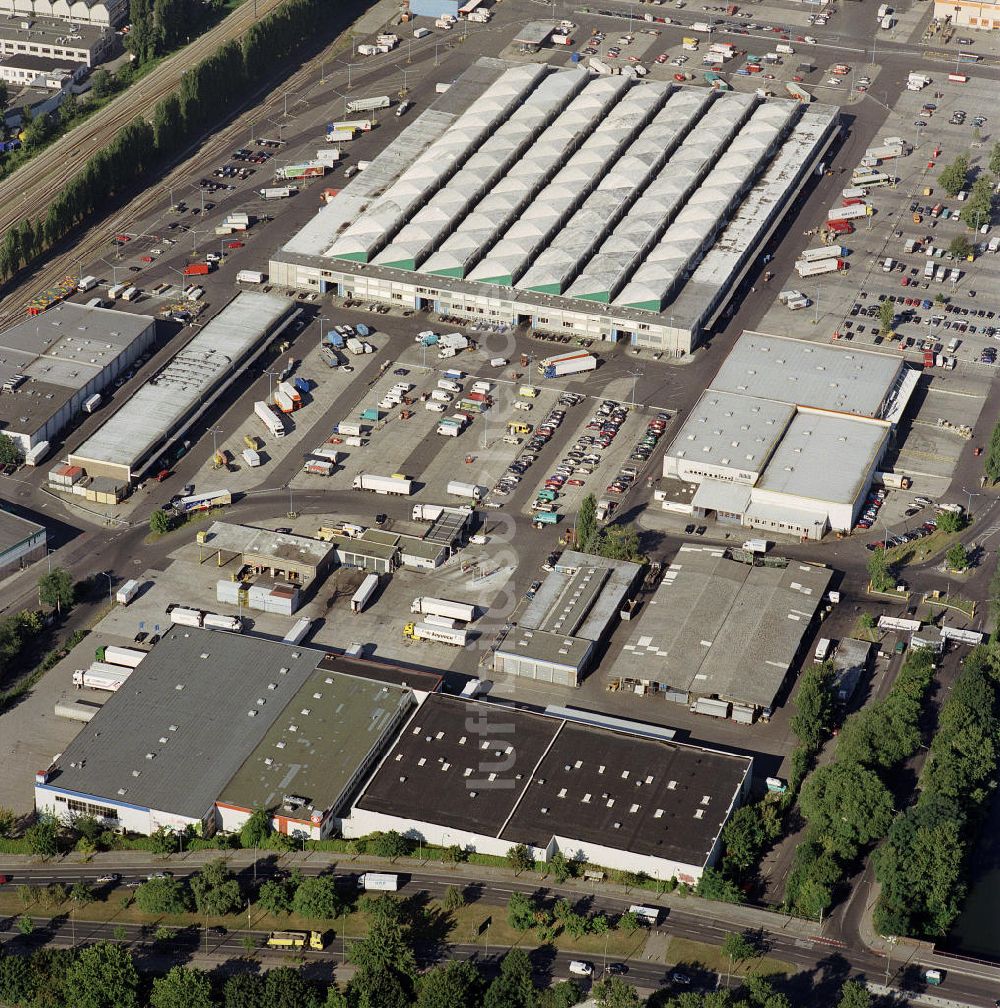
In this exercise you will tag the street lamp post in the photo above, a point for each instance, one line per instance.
(970, 495)
(111, 581)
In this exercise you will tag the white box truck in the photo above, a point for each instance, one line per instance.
(469, 490)
(364, 593)
(125, 656)
(272, 420)
(101, 676)
(127, 592)
(250, 276)
(87, 283)
(378, 881)
(383, 484)
(440, 635)
(251, 457)
(425, 604)
(807, 269)
(820, 253)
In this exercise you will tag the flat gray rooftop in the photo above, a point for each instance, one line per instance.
(14, 530)
(176, 732)
(190, 377)
(49, 30)
(312, 752)
(568, 652)
(806, 373)
(715, 627)
(280, 546)
(825, 457)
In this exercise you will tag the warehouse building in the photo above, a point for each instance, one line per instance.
(722, 634)
(299, 560)
(486, 777)
(85, 44)
(789, 436)
(564, 201)
(40, 71)
(573, 611)
(102, 13)
(22, 542)
(139, 436)
(51, 364)
(983, 15)
(213, 724)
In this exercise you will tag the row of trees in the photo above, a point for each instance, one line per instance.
(921, 865)
(846, 803)
(211, 89)
(978, 208)
(161, 25)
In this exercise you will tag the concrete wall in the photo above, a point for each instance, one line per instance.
(135, 818)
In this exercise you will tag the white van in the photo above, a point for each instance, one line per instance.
(498, 362)
(439, 395)
(580, 968)
(888, 265)
(953, 344)
(449, 386)
(434, 407)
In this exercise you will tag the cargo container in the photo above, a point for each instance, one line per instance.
(197, 269)
(713, 708)
(36, 453)
(799, 92)
(76, 710)
(272, 421)
(567, 364)
(251, 457)
(957, 78)
(283, 401)
(545, 518)
(853, 212)
(443, 607)
(298, 632)
(441, 635)
(115, 290)
(383, 484)
(378, 881)
(471, 491)
(319, 467)
(528, 391)
(186, 617)
(101, 676)
(701, 26)
(277, 192)
(821, 253)
(310, 169)
(806, 269)
(291, 392)
(131, 294)
(251, 276)
(840, 227)
(213, 621)
(364, 593)
(87, 283)
(349, 429)
(127, 592)
(123, 656)
(368, 104)
(202, 501)
(91, 404)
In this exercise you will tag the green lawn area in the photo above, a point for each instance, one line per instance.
(921, 549)
(683, 951)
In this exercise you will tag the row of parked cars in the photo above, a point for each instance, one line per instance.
(873, 504)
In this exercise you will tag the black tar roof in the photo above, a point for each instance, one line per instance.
(393, 675)
(527, 777)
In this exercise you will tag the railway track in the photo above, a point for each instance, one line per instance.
(33, 186)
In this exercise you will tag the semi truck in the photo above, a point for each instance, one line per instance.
(824, 252)
(852, 212)
(277, 192)
(378, 881)
(203, 501)
(102, 676)
(431, 512)
(426, 605)
(197, 269)
(368, 104)
(441, 635)
(182, 616)
(567, 364)
(127, 592)
(250, 276)
(298, 632)
(124, 656)
(471, 490)
(272, 420)
(364, 593)
(383, 484)
(213, 621)
(296, 940)
(807, 269)
(309, 169)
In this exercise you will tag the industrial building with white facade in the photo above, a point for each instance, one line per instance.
(789, 436)
(612, 793)
(165, 407)
(621, 210)
(51, 364)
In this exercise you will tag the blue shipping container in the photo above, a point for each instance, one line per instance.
(576, 57)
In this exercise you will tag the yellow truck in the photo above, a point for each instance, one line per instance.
(518, 427)
(297, 940)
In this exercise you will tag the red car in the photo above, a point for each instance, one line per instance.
(234, 244)
(4, 879)
(662, 58)
(905, 282)
(123, 238)
(147, 259)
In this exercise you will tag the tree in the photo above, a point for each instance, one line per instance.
(513, 987)
(163, 895)
(586, 522)
(216, 891)
(43, 838)
(814, 708)
(715, 886)
(316, 896)
(960, 247)
(886, 316)
(629, 922)
(388, 845)
(3, 95)
(245, 990)
(81, 893)
(453, 985)
(255, 831)
(288, 988)
(182, 987)
(10, 451)
(562, 995)
(952, 177)
(520, 912)
(276, 896)
(454, 854)
(104, 976)
(387, 941)
(101, 83)
(738, 947)
(847, 807)
(379, 986)
(614, 992)
(25, 925)
(8, 822)
(957, 558)
(17, 982)
(878, 572)
(854, 994)
(617, 542)
(159, 524)
(519, 859)
(56, 589)
(951, 521)
(561, 867)
(454, 898)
